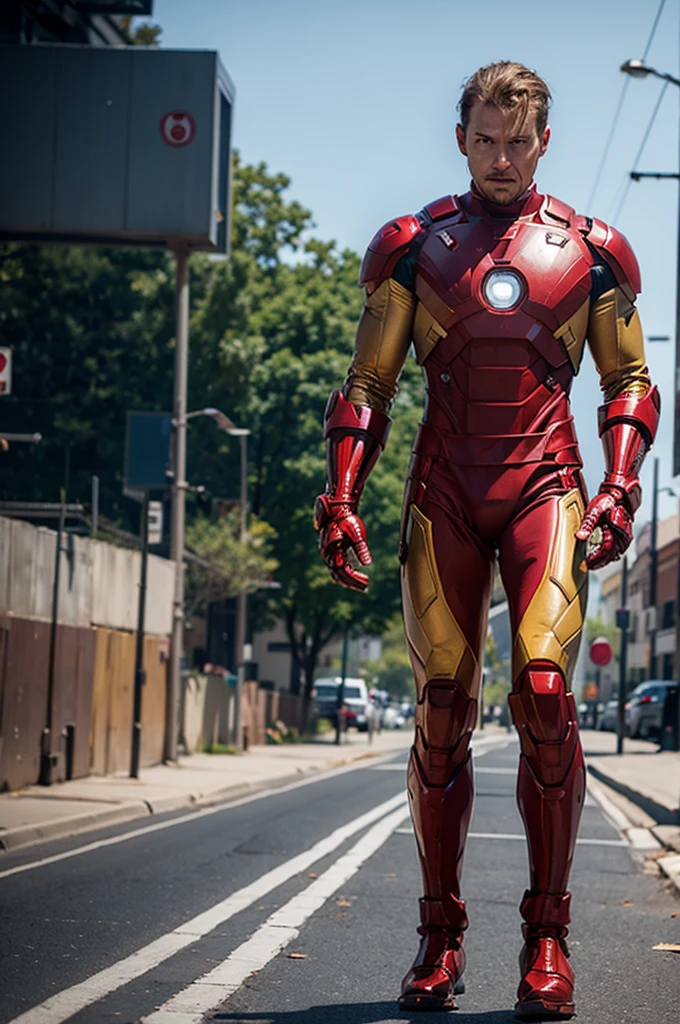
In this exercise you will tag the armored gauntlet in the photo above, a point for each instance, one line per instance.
(627, 426)
(356, 435)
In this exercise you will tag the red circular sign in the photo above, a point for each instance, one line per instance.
(177, 128)
(601, 651)
(3, 361)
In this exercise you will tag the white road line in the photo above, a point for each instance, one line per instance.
(64, 1004)
(520, 836)
(205, 812)
(210, 991)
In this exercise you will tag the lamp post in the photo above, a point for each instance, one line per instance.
(229, 427)
(179, 490)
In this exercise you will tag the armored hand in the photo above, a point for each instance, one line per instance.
(627, 428)
(356, 435)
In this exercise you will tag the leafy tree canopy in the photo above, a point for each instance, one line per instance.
(271, 335)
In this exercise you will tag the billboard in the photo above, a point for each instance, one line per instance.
(122, 146)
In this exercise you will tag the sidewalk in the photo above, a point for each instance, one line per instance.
(648, 782)
(647, 777)
(39, 813)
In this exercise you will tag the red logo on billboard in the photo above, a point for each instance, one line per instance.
(177, 128)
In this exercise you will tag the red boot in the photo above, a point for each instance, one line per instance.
(547, 986)
(435, 977)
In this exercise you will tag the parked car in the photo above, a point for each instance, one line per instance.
(644, 708)
(607, 716)
(359, 711)
(325, 699)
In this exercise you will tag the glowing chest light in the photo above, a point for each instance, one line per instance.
(502, 289)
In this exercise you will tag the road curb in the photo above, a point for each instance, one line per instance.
(55, 828)
(642, 841)
(661, 814)
(13, 839)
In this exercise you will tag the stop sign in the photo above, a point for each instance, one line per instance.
(600, 651)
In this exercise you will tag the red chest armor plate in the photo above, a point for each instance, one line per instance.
(501, 372)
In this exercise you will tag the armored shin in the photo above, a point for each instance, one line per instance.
(440, 788)
(550, 794)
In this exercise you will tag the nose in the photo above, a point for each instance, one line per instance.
(501, 162)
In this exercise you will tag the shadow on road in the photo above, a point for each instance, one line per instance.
(361, 1013)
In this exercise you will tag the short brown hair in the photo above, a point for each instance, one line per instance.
(508, 86)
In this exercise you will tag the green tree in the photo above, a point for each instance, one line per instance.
(274, 338)
(271, 335)
(145, 34)
(392, 671)
(226, 566)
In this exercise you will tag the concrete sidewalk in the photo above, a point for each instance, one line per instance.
(647, 777)
(38, 813)
(645, 782)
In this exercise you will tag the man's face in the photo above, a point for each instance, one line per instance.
(502, 155)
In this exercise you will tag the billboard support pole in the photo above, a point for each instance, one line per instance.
(140, 673)
(179, 488)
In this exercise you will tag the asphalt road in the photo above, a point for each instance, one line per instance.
(227, 914)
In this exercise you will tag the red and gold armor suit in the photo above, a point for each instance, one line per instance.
(498, 302)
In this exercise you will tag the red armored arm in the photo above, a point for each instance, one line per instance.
(357, 421)
(356, 436)
(629, 420)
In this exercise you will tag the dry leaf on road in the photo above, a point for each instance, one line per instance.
(668, 947)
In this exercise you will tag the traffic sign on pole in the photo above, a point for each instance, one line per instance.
(5, 370)
(601, 651)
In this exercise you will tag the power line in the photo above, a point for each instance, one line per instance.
(610, 137)
(640, 151)
(619, 108)
(654, 27)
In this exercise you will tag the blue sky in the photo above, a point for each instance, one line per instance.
(355, 101)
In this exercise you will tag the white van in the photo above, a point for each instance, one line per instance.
(356, 698)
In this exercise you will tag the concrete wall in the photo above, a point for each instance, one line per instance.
(98, 586)
(90, 657)
(207, 712)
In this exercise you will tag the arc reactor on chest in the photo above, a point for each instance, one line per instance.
(502, 289)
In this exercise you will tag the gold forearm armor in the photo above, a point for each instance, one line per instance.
(616, 342)
(382, 344)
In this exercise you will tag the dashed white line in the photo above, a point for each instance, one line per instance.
(208, 992)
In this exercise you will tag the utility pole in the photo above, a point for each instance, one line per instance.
(341, 688)
(653, 573)
(623, 622)
(48, 755)
(179, 487)
(140, 674)
(242, 599)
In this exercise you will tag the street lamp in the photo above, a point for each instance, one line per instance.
(638, 69)
(229, 427)
(179, 490)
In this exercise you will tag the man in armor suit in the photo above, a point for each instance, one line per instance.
(498, 290)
